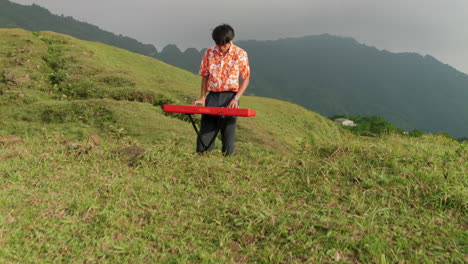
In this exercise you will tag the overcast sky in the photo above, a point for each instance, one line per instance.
(435, 27)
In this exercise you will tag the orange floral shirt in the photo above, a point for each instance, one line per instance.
(223, 70)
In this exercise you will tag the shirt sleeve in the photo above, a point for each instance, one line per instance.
(204, 65)
(244, 66)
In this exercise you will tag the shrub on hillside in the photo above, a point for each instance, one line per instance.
(85, 89)
(143, 96)
(161, 100)
(416, 133)
(95, 113)
(446, 135)
(369, 125)
(131, 94)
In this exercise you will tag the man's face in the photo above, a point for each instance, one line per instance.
(224, 48)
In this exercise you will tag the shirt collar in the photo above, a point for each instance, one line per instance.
(230, 51)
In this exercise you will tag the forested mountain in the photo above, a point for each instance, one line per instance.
(337, 75)
(36, 18)
(189, 59)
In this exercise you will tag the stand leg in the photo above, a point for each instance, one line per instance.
(205, 147)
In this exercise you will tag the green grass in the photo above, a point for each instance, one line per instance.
(300, 189)
(322, 203)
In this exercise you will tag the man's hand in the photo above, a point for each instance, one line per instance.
(233, 104)
(200, 101)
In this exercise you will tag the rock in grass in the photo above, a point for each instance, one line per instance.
(10, 140)
(131, 151)
(9, 78)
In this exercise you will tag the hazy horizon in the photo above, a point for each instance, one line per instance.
(428, 27)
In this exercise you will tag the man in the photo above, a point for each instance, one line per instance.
(220, 69)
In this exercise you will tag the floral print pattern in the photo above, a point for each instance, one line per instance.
(223, 70)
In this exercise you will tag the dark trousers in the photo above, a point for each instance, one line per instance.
(210, 124)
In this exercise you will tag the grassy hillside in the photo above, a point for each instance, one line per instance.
(57, 79)
(36, 18)
(92, 171)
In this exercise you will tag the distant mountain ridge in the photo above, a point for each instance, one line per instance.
(338, 75)
(36, 18)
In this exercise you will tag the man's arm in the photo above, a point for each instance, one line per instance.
(245, 75)
(204, 85)
(234, 103)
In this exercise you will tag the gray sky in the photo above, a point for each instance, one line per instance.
(435, 27)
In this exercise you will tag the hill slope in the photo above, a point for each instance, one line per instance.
(100, 174)
(36, 18)
(63, 72)
(334, 75)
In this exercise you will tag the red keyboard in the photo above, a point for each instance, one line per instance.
(207, 110)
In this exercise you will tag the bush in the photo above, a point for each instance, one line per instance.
(120, 93)
(161, 100)
(81, 90)
(416, 133)
(446, 135)
(94, 113)
(58, 76)
(143, 96)
(369, 125)
(131, 94)
(55, 60)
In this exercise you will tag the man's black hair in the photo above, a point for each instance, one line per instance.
(223, 34)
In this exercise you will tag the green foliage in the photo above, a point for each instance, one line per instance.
(57, 76)
(416, 133)
(351, 202)
(369, 125)
(141, 96)
(161, 100)
(88, 89)
(55, 59)
(91, 112)
(85, 89)
(446, 135)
